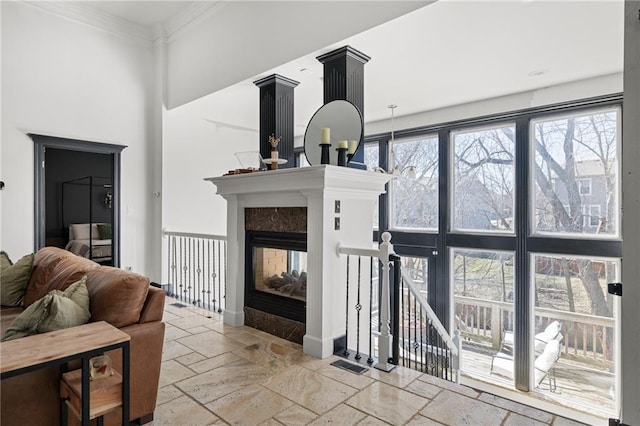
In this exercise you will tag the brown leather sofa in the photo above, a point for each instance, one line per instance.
(123, 299)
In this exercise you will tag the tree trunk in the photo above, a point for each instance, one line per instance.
(567, 278)
(591, 283)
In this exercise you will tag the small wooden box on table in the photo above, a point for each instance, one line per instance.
(59, 347)
(105, 394)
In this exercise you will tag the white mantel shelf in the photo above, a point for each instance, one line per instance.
(316, 188)
(301, 179)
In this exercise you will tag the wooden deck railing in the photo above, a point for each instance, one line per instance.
(588, 337)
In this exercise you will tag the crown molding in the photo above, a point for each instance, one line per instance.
(191, 16)
(168, 31)
(82, 13)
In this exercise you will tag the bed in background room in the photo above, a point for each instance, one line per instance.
(90, 240)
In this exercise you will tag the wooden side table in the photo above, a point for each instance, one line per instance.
(59, 347)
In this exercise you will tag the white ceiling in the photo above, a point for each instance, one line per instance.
(447, 53)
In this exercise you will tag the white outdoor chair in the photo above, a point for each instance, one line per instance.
(552, 332)
(502, 364)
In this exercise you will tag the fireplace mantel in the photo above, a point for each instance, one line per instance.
(317, 188)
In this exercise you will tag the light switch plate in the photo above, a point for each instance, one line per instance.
(337, 208)
(337, 224)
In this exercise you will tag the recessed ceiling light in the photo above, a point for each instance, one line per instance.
(536, 73)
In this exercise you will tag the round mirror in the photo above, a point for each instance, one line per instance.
(335, 122)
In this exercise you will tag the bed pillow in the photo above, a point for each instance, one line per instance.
(55, 311)
(80, 231)
(104, 229)
(14, 280)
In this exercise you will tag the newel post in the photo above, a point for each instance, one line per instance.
(384, 342)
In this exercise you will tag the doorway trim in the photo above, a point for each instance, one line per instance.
(41, 143)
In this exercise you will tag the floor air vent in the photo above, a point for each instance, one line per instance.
(349, 366)
(178, 305)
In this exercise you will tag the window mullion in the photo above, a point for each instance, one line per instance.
(522, 308)
(439, 296)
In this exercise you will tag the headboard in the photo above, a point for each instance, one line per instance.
(80, 231)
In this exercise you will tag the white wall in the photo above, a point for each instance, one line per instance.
(67, 79)
(242, 39)
(195, 149)
(631, 218)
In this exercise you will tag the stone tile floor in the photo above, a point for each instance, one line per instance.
(215, 374)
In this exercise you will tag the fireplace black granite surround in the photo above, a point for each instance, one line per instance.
(275, 273)
(275, 259)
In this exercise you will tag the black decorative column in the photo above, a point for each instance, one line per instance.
(276, 116)
(344, 79)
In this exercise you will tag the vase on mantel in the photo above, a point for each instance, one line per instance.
(274, 159)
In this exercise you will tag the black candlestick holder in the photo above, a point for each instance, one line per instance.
(342, 156)
(324, 153)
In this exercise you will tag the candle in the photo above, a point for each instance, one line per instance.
(353, 145)
(326, 136)
(342, 144)
(274, 155)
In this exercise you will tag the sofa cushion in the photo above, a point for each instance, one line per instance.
(44, 262)
(116, 296)
(55, 311)
(13, 281)
(55, 269)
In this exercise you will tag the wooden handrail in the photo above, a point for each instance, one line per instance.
(546, 312)
(194, 235)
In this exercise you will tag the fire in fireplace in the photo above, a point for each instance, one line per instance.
(275, 276)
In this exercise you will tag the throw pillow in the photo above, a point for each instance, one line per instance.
(55, 311)
(104, 230)
(5, 262)
(14, 280)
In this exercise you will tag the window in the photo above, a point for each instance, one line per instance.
(571, 294)
(591, 215)
(529, 197)
(584, 186)
(564, 149)
(301, 159)
(483, 193)
(483, 288)
(371, 160)
(371, 155)
(414, 191)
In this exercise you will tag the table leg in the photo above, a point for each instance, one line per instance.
(85, 391)
(125, 384)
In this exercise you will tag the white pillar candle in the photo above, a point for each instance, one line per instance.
(326, 136)
(342, 144)
(353, 145)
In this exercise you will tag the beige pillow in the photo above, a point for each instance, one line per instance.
(14, 280)
(55, 311)
(5, 262)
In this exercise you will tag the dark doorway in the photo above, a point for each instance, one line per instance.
(79, 194)
(77, 187)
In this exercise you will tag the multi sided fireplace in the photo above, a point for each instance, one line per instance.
(276, 273)
(299, 200)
